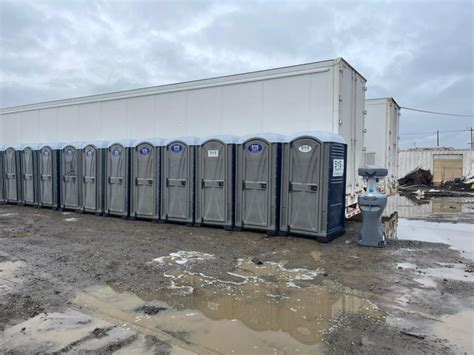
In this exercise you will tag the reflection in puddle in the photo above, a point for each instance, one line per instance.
(458, 329)
(460, 236)
(279, 316)
(450, 271)
(412, 207)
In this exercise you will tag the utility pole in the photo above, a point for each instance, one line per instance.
(437, 137)
(472, 140)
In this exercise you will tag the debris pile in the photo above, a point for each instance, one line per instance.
(458, 184)
(417, 177)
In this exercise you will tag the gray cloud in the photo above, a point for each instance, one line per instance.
(420, 52)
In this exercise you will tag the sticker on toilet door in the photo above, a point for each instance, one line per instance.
(338, 167)
(213, 153)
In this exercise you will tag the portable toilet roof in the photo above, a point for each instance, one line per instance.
(319, 135)
(2, 147)
(187, 140)
(34, 146)
(269, 137)
(52, 145)
(97, 144)
(14, 146)
(127, 143)
(157, 142)
(224, 138)
(76, 145)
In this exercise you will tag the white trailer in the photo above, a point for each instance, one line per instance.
(382, 125)
(327, 96)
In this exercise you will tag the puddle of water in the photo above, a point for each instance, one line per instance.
(406, 266)
(458, 329)
(73, 219)
(460, 236)
(183, 257)
(8, 214)
(412, 206)
(450, 271)
(283, 316)
(426, 282)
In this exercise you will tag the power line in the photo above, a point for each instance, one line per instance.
(435, 113)
(433, 132)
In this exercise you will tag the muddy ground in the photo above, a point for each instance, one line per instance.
(81, 283)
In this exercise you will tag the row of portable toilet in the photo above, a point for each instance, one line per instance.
(268, 182)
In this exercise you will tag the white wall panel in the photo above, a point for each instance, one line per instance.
(88, 128)
(287, 104)
(68, 123)
(13, 129)
(322, 103)
(204, 112)
(140, 117)
(29, 126)
(113, 120)
(48, 123)
(170, 115)
(242, 108)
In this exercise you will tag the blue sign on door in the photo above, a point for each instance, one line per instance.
(90, 153)
(45, 153)
(144, 151)
(116, 153)
(176, 148)
(255, 148)
(69, 152)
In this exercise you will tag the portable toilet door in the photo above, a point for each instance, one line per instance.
(70, 172)
(144, 187)
(28, 174)
(48, 175)
(216, 181)
(117, 174)
(12, 174)
(92, 176)
(258, 179)
(313, 185)
(2, 175)
(177, 202)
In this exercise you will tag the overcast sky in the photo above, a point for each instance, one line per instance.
(419, 52)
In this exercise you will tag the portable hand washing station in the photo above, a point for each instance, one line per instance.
(372, 203)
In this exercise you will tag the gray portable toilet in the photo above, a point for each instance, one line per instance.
(313, 185)
(177, 183)
(145, 179)
(29, 176)
(2, 177)
(93, 176)
(48, 175)
(12, 173)
(215, 183)
(117, 176)
(70, 165)
(258, 182)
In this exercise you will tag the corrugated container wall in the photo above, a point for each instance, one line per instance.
(425, 158)
(382, 124)
(324, 96)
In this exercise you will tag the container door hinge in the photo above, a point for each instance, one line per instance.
(365, 87)
(364, 112)
(340, 97)
(364, 130)
(364, 149)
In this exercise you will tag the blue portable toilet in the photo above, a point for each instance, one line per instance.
(145, 178)
(117, 178)
(49, 175)
(92, 178)
(313, 185)
(178, 180)
(258, 182)
(215, 185)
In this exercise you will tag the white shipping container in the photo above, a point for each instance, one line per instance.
(382, 125)
(326, 96)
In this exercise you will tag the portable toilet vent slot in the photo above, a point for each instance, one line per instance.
(177, 201)
(48, 175)
(313, 185)
(92, 176)
(144, 189)
(216, 181)
(71, 186)
(258, 182)
(12, 174)
(29, 180)
(117, 175)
